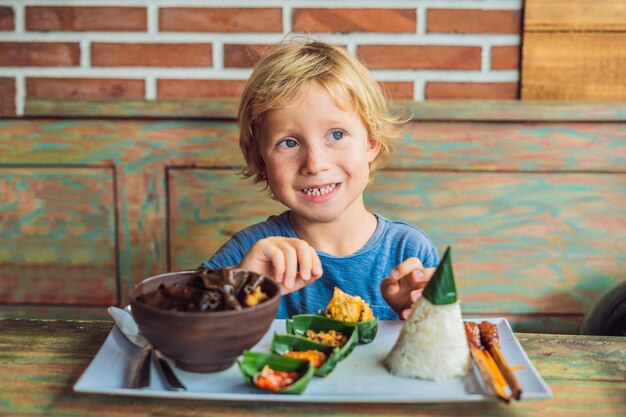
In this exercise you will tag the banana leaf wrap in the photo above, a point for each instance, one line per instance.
(367, 329)
(251, 364)
(299, 324)
(283, 343)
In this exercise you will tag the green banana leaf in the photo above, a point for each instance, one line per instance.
(251, 364)
(441, 288)
(299, 324)
(367, 329)
(283, 343)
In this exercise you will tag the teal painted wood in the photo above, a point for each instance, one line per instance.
(188, 108)
(457, 110)
(523, 243)
(55, 312)
(427, 146)
(141, 152)
(58, 236)
(512, 147)
(206, 207)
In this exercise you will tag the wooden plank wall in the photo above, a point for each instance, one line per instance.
(574, 50)
(530, 197)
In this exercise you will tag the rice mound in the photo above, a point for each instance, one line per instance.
(432, 343)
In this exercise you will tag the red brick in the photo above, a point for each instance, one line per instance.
(398, 90)
(471, 90)
(171, 88)
(7, 18)
(420, 56)
(151, 54)
(79, 19)
(39, 54)
(473, 21)
(84, 88)
(223, 19)
(244, 56)
(355, 20)
(7, 97)
(505, 57)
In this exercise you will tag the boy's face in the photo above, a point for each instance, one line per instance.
(317, 156)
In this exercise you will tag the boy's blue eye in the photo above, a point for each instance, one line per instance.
(288, 143)
(337, 134)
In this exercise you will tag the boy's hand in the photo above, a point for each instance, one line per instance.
(404, 285)
(293, 263)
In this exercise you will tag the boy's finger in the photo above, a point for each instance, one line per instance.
(405, 313)
(389, 287)
(278, 263)
(410, 264)
(415, 295)
(317, 270)
(416, 279)
(305, 262)
(291, 265)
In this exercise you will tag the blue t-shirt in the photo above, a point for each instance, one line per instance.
(358, 274)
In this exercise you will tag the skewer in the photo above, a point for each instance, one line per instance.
(490, 338)
(486, 365)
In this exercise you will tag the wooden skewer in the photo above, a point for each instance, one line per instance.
(490, 373)
(506, 371)
(491, 340)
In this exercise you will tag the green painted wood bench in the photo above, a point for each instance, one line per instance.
(95, 196)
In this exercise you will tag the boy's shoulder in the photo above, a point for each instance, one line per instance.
(401, 229)
(275, 225)
(406, 239)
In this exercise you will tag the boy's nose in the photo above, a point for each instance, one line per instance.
(314, 162)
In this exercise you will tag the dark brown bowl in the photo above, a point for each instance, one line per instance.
(202, 341)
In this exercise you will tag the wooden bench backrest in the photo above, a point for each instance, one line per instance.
(531, 197)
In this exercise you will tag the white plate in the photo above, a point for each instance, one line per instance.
(361, 377)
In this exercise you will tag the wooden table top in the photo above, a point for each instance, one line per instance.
(40, 361)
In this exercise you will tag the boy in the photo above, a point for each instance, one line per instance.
(313, 127)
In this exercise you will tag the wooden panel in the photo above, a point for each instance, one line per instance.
(574, 66)
(522, 242)
(58, 229)
(539, 244)
(445, 140)
(55, 311)
(134, 143)
(140, 150)
(574, 50)
(512, 146)
(575, 15)
(206, 207)
(473, 110)
(137, 145)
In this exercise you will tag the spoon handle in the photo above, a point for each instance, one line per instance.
(141, 374)
(165, 369)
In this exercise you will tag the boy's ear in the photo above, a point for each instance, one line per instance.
(373, 147)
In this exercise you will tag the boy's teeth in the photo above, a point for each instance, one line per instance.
(319, 191)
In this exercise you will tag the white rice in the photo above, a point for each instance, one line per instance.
(432, 344)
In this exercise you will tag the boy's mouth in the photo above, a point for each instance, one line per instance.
(315, 191)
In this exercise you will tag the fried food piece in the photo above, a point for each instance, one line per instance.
(331, 337)
(316, 357)
(473, 334)
(345, 307)
(255, 297)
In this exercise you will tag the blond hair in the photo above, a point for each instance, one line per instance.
(285, 72)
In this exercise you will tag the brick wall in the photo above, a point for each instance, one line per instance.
(142, 49)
